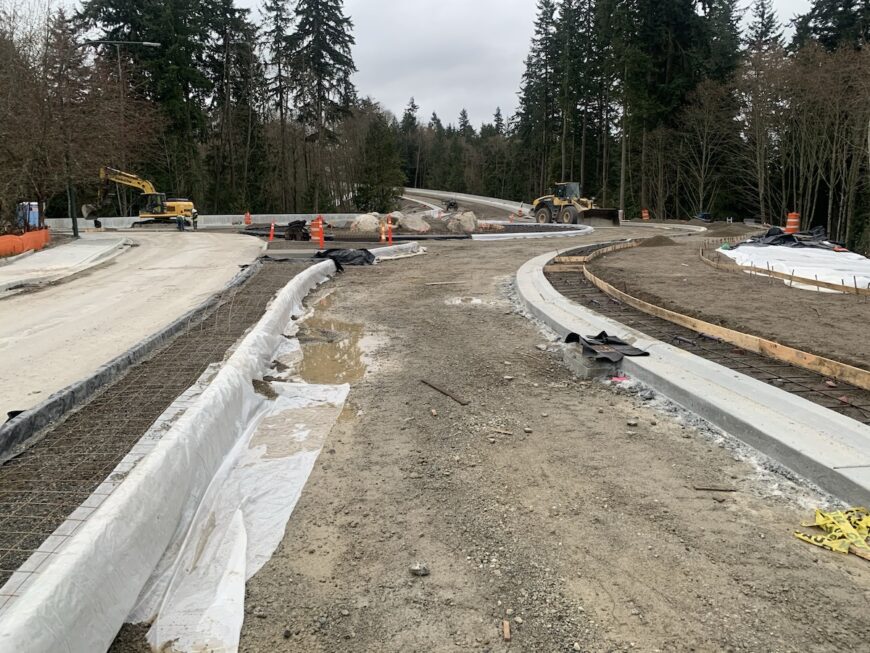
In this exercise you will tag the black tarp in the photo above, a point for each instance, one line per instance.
(605, 347)
(816, 237)
(343, 257)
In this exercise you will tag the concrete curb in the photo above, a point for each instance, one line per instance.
(29, 427)
(100, 258)
(582, 230)
(829, 449)
(428, 205)
(6, 260)
(665, 227)
(506, 205)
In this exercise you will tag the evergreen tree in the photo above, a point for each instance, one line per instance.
(410, 145)
(278, 33)
(537, 110)
(764, 32)
(835, 23)
(382, 175)
(723, 39)
(465, 128)
(409, 118)
(322, 67)
(498, 122)
(174, 76)
(236, 75)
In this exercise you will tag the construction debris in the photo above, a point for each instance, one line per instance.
(846, 531)
(419, 569)
(446, 393)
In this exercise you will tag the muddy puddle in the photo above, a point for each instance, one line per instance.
(332, 350)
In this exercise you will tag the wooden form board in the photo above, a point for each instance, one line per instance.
(834, 369)
(573, 260)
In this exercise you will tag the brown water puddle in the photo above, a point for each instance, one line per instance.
(331, 349)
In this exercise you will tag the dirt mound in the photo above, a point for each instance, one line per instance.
(657, 241)
(734, 230)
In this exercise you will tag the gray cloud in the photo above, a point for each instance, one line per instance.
(448, 54)
(451, 54)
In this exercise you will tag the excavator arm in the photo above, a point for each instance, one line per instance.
(125, 179)
(152, 205)
(108, 175)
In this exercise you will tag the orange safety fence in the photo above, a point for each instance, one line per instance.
(13, 245)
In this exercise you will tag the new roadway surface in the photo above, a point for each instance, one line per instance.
(60, 334)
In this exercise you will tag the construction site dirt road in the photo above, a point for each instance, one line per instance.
(567, 515)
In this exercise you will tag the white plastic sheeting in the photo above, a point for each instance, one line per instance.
(843, 268)
(398, 251)
(197, 593)
(80, 601)
(581, 230)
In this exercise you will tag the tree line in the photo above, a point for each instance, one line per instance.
(664, 105)
(670, 106)
(195, 96)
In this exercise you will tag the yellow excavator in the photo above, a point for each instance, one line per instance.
(566, 205)
(152, 205)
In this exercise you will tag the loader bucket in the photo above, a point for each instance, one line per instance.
(600, 217)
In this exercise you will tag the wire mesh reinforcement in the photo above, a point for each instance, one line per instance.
(837, 396)
(40, 488)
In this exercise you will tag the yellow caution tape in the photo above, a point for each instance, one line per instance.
(846, 531)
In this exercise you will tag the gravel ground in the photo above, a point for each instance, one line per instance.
(827, 324)
(567, 509)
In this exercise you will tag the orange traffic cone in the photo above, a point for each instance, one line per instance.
(272, 232)
(247, 217)
(383, 233)
(390, 228)
(794, 223)
(316, 230)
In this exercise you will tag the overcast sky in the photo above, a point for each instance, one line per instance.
(451, 54)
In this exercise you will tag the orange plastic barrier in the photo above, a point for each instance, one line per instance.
(14, 245)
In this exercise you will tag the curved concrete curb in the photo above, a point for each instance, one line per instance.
(508, 206)
(830, 449)
(582, 230)
(111, 251)
(428, 205)
(666, 227)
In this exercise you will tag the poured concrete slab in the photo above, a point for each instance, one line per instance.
(60, 334)
(56, 263)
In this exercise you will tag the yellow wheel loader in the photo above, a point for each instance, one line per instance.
(152, 205)
(567, 206)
